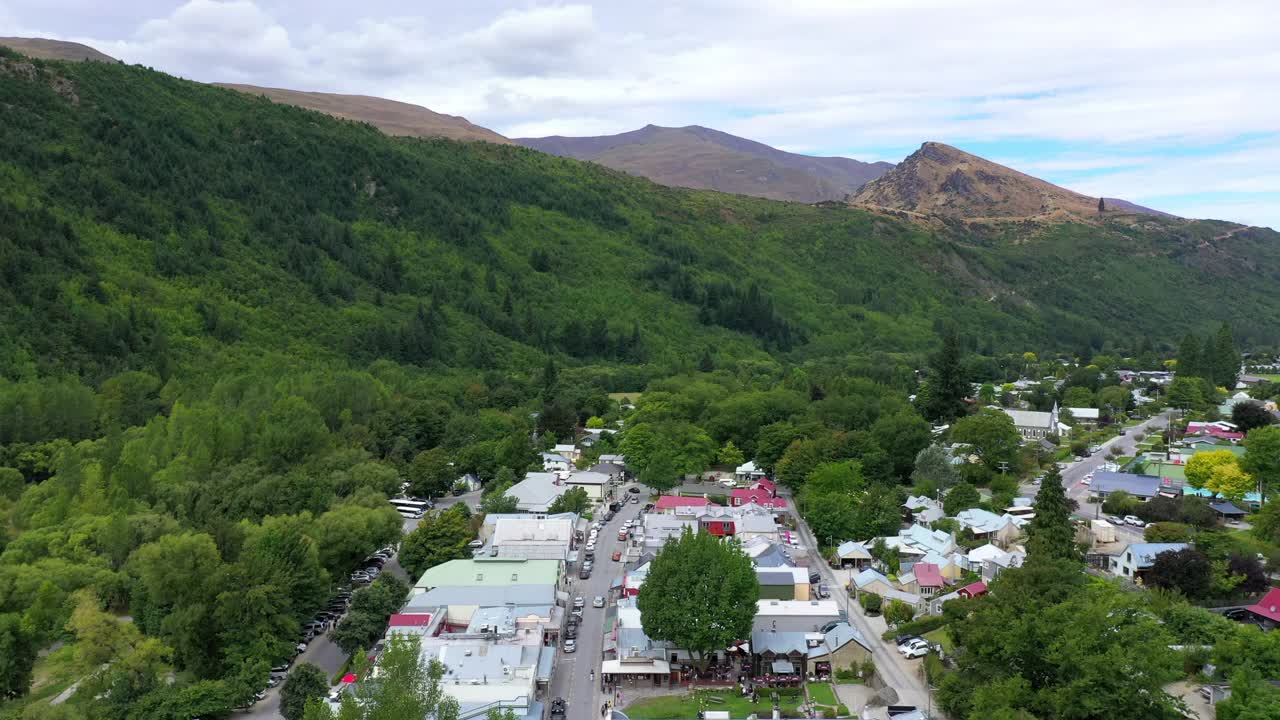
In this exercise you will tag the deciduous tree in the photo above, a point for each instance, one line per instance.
(700, 595)
(992, 435)
(1188, 571)
(306, 681)
(440, 536)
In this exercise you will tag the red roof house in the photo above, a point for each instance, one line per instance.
(672, 502)
(1268, 608)
(765, 484)
(928, 575)
(759, 496)
(977, 589)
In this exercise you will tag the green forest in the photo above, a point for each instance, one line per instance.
(231, 328)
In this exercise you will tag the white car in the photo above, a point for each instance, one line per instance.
(914, 649)
(1134, 521)
(579, 602)
(598, 602)
(1088, 479)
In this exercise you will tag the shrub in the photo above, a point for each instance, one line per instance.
(917, 627)
(870, 602)
(1167, 532)
(842, 711)
(898, 612)
(868, 668)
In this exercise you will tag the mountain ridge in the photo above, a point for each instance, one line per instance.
(699, 157)
(939, 179)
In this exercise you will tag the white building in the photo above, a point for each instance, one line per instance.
(535, 539)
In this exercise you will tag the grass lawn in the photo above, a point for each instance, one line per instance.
(687, 705)
(941, 637)
(823, 694)
(1270, 378)
(1254, 543)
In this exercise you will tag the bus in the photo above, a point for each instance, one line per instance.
(414, 507)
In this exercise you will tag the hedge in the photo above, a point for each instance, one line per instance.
(916, 627)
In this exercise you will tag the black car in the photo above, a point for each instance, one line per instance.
(584, 574)
(634, 490)
(571, 632)
(559, 708)
(901, 640)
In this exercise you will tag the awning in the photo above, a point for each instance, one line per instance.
(546, 664)
(649, 666)
(783, 666)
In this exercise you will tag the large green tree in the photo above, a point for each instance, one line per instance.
(992, 435)
(948, 387)
(573, 500)
(1050, 534)
(700, 595)
(440, 536)
(934, 471)
(407, 687)
(305, 682)
(431, 474)
(17, 656)
(1262, 457)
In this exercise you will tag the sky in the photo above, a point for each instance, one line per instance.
(1173, 104)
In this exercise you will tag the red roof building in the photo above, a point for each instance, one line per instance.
(759, 496)
(671, 502)
(977, 589)
(928, 575)
(1268, 608)
(409, 620)
(765, 484)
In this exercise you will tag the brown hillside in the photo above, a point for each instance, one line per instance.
(44, 49)
(390, 116)
(938, 179)
(699, 157)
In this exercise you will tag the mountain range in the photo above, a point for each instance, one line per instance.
(700, 157)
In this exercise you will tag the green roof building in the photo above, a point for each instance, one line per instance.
(491, 572)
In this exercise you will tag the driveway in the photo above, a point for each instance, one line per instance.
(573, 679)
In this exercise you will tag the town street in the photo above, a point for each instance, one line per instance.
(896, 671)
(572, 679)
(323, 652)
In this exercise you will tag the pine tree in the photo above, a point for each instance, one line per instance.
(1189, 363)
(1102, 205)
(1226, 360)
(1050, 532)
(706, 363)
(947, 385)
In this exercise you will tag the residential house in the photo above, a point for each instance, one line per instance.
(1221, 429)
(1137, 558)
(1143, 487)
(613, 459)
(783, 583)
(1267, 610)
(853, 555)
(469, 482)
(952, 567)
(1087, 417)
(767, 553)
(1033, 425)
(795, 615)
(537, 491)
(1003, 530)
(924, 579)
(748, 472)
(927, 541)
(747, 527)
(632, 579)
(569, 451)
(842, 645)
(989, 561)
(872, 581)
(922, 509)
(971, 590)
(554, 462)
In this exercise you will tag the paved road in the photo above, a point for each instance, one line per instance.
(323, 652)
(1073, 475)
(572, 679)
(896, 671)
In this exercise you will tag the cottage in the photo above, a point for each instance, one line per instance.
(537, 491)
(681, 505)
(924, 579)
(767, 553)
(748, 472)
(1137, 558)
(595, 483)
(1084, 416)
(922, 509)
(871, 581)
(759, 496)
(853, 555)
(569, 451)
(1003, 530)
(1221, 429)
(554, 462)
(927, 541)
(1267, 610)
(972, 590)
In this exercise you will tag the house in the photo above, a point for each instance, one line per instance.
(871, 581)
(767, 553)
(972, 590)
(620, 460)
(1033, 425)
(554, 462)
(764, 483)
(952, 567)
(1137, 558)
(748, 472)
(1227, 510)
(593, 482)
(989, 561)
(927, 541)
(1084, 416)
(924, 579)
(853, 555)
(632, 579)
(533, 539)
(1143, 487)
(922, 509)
(758, 495)
(569, 451)
(783, 583)
(1221, 429)
(747, 527)
(1267, 610)
(615, 472)
(681, 504)
(470, 482)
(841, 646)
(1003, 530)
(795, 615)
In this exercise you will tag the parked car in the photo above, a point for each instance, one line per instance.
(1134, 520)
(633, 490)
(559, 709)
(584, 573)
(617, 556)
(635, 498)
(598, 602)
(901, 640)
(917, 648)
(571, 632)
(579, 602)
(1094, 449)
(570, 646)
